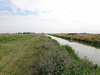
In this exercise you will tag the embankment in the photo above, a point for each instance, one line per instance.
(95, 43)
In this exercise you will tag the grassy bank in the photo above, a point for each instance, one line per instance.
(56, 60)
(37, 54)
(91, 39)
(17, 54)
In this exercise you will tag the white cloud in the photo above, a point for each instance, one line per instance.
(56, 15)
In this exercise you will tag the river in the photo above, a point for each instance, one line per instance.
(92, 53)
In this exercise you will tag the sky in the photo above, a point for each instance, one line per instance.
(50, 16)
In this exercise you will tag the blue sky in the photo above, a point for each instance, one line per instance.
(6, 5)
(62, 16)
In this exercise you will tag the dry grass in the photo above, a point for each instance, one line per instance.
(83, 36)
(90, 39)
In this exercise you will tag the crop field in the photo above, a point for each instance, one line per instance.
(37, 54)
(91, 39)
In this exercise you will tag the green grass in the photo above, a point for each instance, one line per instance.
(36, 54)
(17, 56)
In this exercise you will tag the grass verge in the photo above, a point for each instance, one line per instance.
(17, 54)
(37, 54)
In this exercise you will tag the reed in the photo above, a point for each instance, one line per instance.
(90, 39)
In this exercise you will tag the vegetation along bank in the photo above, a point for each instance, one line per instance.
(37, 54)
(90, 39)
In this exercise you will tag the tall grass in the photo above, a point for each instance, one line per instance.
(71, 52)
(61, 60)
(90, 39)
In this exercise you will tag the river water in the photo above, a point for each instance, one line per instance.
(92, 53)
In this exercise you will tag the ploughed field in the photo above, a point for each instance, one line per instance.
(37, 54)
(91, 39)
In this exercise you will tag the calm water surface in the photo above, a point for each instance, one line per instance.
(92, 53)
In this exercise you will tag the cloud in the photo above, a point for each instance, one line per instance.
(50, 15)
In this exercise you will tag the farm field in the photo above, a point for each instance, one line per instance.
(37, 54)
(91, 39)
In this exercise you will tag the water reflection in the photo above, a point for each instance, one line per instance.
(82, 50)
